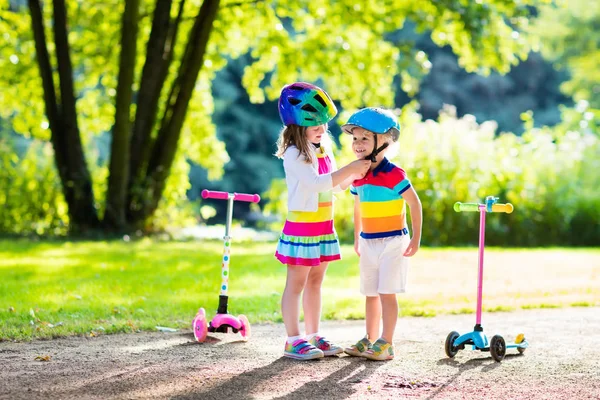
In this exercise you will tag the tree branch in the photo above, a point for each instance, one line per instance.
(161, 43)
(241, 3)
(165, 147)
(43, 58)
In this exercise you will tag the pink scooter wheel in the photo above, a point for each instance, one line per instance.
(245, 329)
(200, 326)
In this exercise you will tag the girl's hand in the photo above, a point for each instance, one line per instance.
(360, 168)
(356, 248)
(413, 247)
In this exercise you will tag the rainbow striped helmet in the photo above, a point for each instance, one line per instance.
(305, 104)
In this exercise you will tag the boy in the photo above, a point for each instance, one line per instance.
(381, 237)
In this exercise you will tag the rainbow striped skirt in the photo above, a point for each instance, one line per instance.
(309, 238)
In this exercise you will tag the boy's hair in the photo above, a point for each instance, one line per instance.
(295, 135)
(381, 137)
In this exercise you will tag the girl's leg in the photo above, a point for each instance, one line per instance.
(373, 316)
(389, 308)
(290, 301)
(311, 298)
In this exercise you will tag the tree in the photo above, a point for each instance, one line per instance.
(77, 69)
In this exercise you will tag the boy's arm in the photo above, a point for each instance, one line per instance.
(416, 216)
(357, 224)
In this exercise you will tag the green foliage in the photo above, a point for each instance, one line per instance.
(544, 173)
(174, 208)
(31, 201)
(344, 44)
(567, 34)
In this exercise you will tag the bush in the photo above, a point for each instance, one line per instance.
(31, 200)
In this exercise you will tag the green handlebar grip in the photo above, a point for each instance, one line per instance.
(458, 207)
(507, 208)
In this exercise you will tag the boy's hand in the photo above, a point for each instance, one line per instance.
(356, 248)
(412, 248)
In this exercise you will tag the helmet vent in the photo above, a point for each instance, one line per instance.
(320, 100)
(309, 108)
(294, 101)
(294, 87)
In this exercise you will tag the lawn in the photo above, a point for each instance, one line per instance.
(50, 289)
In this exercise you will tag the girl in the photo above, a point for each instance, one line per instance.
(308, 241)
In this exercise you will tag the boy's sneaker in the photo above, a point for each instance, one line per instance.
(302, 350)
(380, 351)
(328, 348)
(359, 348)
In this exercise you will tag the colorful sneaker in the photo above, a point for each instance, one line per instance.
(358, 349)
(380, 351)
(328, 348)
(302, 350)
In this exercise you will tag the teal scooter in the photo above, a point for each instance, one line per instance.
(477, 339)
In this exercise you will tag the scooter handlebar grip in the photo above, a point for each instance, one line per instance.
(251, 198)
(463, 207)
(210, 194)
(505, 208)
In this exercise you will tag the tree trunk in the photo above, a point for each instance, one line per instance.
(165, 147)
(159, 55)
(114, 217)
(62, 118)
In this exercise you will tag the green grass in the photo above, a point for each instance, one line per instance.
(50, 289)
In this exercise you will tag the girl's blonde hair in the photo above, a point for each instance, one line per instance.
(295, 135)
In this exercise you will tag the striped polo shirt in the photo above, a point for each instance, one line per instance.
(382, 208)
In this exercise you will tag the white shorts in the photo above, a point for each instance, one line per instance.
(383, 267)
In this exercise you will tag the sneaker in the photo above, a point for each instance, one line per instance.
(302, 350)
(328, 348)
(380, 351)
(358, 349)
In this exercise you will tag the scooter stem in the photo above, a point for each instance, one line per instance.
(482, 212)
(226, 257)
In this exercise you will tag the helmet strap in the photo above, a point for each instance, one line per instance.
(373, 156)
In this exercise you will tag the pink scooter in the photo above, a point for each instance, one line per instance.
(223, 322)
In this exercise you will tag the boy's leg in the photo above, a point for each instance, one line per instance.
(311, 298)
(393, 272)
(290, 301)
(389, 307)
(383, 348)
(369, 273)
(373, 316)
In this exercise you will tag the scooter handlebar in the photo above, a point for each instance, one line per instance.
(466, 207)
(211, 194)
(251, 198)
(505, 208)
(463, 207)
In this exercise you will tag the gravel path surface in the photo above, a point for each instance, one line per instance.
(563, 362)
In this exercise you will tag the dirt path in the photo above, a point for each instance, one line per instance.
(562, 363)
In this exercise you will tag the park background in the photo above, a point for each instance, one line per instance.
(114, 115)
